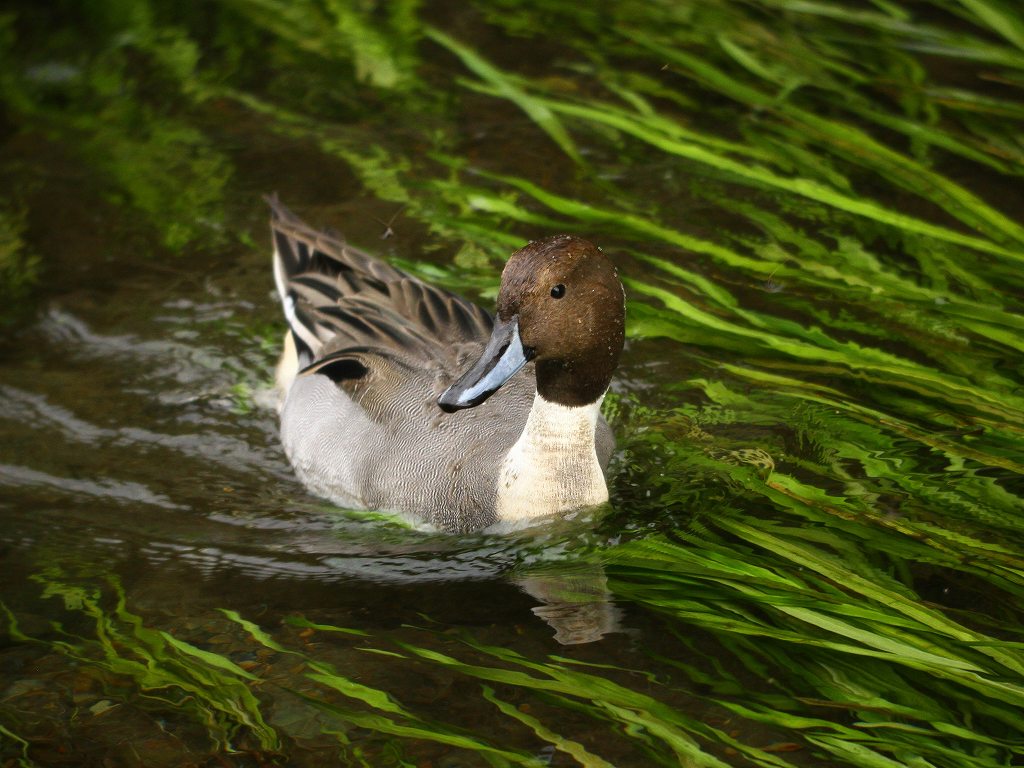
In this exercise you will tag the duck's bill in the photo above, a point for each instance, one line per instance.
(501, 358)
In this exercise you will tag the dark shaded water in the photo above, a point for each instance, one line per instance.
(816, 528)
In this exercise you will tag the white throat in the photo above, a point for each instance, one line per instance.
(553, 467)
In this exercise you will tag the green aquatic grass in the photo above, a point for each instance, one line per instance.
(881, 656)
(160, 167)
(572, 748)
(395, 719)
(23, 759)
(858, 449)
(165, 670)
(19, 267)
(868, 659)
(378, 47)
(175, 676)
(506, 87)
(960, 201)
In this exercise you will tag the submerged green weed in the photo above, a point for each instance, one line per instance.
(18, 266)
(792, 647)
(164, 669)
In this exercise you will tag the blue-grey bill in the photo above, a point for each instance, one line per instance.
(501, 358)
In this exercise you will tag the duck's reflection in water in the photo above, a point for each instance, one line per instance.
(574, 601)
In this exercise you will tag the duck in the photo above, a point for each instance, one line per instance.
(397, 395)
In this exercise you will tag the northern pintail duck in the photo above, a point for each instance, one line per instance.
(398, 395)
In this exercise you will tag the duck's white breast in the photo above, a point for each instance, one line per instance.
(553, 467)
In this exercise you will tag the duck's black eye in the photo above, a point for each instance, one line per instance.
(558, 291)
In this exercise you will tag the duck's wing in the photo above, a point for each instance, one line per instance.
(337, 297)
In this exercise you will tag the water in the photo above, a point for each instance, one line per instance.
(813, 551)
